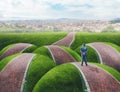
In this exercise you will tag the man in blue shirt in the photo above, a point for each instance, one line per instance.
(83, 51)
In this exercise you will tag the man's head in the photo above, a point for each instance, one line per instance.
(83, 44)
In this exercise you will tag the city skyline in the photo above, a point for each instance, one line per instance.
(55, 9)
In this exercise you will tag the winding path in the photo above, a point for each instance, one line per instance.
(98, 80)
(17, 48)
(67, 41)
(109, 56)
(59, 55)
(12, 76)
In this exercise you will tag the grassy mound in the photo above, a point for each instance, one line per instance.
(26, 50)
(63, 78)
(73, 53)
(47, 38)
(111, 70)
(113, 45)
(38, 39)
(6, 60)
(95, 37)
(5, 48)
(43, 51)
(30, 49)
(38, 67)
(91, 54)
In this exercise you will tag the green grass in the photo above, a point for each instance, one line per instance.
(73, 53)
(30, 49)
(116, 47)
(6, 60)
(111, 70)
(5, 48)
(38, 39)
(91, 54)
(43, 51)
(95, 37)
(42, 75)
(38, 67)
(63, 78)
(47, 38)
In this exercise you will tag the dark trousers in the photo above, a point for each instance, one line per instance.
(84, 60)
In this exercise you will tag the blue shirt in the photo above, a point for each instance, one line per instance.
(83, 51)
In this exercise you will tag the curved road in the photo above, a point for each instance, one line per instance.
(109, 55)
(98, 79)
(17, 48)
(67, 41)
(13, 74)
(59, 55)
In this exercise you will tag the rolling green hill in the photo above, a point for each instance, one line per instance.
(41, 39)
(63, 78)
(95, 37)
(43, 74)
(38, 39)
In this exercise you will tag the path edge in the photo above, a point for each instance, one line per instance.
(73, 39)
(99, 55)
(25, 74)
(106, 72)
(51, 54)
(87, 87)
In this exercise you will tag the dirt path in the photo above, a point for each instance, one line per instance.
(67, 41)
(15, 49)
(109, 56)
(60, 56)
(12, 76)
(98, 79)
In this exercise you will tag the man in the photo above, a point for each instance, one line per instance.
(83, 51)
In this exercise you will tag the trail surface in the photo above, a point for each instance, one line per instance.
(67, 41)
(15, 49)
(12, 75)
(98, 79)
(109, 56)
(60, 56)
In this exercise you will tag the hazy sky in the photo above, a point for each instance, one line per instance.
(52, 9)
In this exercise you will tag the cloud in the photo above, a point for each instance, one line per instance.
(44, 9)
